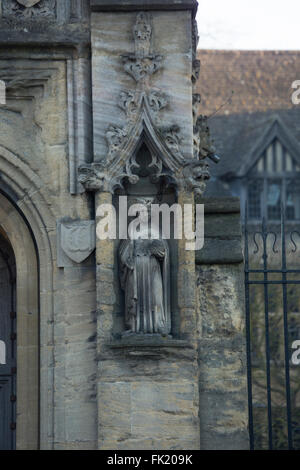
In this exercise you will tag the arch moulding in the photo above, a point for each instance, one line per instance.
(30, 226)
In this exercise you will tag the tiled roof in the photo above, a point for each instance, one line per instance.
(261, 84)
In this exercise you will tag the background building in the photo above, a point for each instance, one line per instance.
(256, 129)
(255, 126)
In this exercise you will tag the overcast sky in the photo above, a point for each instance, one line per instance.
(249, 24)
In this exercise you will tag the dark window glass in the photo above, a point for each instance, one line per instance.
(292, 199)
(254, 199)
(267, 191)
(274, 200)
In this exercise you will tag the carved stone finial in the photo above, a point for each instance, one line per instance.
(142, 35)
(142, 64)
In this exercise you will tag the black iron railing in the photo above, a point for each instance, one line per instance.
(270, 262)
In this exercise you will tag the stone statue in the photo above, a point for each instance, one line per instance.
(145, 278)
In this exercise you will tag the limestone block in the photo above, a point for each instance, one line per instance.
(221, 298)
(222, 358)
(223, 421)
(220, 251)
(138, 412)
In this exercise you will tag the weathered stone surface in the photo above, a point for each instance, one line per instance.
(144, 341)
(224, 205)
(222, 358)
(224, 421)
(221, 293)
(147, 394)
(34, 128)
(222, 231)
(165, 414)
(222, 226)
(219, 251)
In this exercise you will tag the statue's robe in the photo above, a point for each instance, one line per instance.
(144, 275)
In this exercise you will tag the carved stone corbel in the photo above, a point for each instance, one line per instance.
(195, 175)
(92, 177)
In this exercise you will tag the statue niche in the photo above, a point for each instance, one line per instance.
(144, 263)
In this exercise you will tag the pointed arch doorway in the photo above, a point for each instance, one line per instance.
(8, 360)
(19, 332)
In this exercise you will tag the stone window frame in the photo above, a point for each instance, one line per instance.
(276, 131)
(274, 167)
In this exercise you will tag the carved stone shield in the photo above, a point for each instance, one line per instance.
(78, 239)
(28, 3)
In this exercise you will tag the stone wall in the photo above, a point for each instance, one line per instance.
(96, 392)
(35, 176)
(223, 401)
(147, 389)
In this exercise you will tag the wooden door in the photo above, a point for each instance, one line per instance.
(7, 347)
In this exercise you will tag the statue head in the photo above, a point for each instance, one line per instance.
(141, 207)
